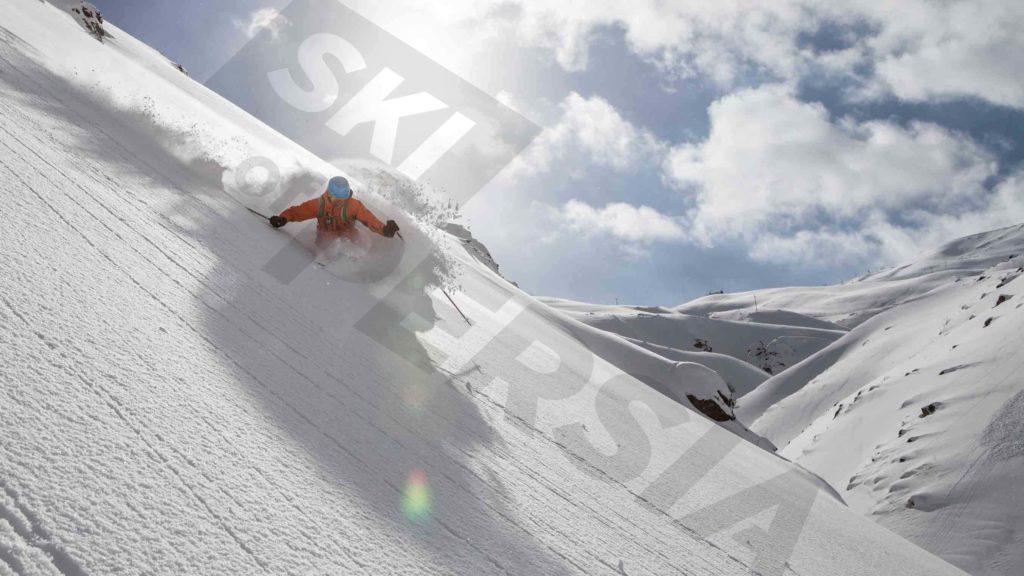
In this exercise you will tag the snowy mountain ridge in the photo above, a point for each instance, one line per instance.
(915, 414)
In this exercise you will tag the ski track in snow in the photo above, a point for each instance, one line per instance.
(33, 548)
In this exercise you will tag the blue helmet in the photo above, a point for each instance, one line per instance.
(338, 188)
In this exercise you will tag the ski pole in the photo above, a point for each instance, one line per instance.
(456, 306)
(445, 292)
(257, 213)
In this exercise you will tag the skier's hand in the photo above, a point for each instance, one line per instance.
(278, 221)
(390, 229)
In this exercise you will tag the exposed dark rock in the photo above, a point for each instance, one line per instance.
(91, 19)
(701, 344)
(709, 408)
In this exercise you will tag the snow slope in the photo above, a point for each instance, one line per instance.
(787, 338)
(916, 415)
(168, 404)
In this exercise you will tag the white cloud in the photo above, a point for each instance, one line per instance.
(878, 241)
(590, 132)
(914, 49)
(828, 247)
(939, 50)
(265, 19)
(686, 36)
(635, 225)
(797, 185)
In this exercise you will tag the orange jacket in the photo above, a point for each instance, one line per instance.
(333, 215)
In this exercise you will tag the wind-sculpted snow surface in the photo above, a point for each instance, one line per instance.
(704, 340)
(170, 405)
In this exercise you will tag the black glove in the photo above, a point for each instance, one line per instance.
(390, 229)
(278, 221)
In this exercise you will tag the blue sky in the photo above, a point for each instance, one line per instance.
(692, 147)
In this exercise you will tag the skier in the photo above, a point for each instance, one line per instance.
(336, 212)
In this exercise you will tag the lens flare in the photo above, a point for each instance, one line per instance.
(416, 499)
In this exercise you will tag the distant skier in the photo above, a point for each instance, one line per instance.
(336, 213)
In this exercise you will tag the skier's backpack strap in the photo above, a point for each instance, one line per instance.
(325, 213)
(344, 212)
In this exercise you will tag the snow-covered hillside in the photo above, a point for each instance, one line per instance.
(767, 341)
(171, 404)
(917, 414)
